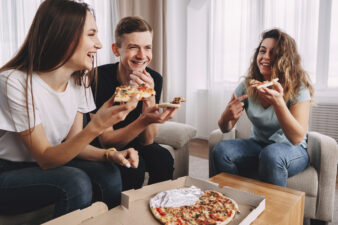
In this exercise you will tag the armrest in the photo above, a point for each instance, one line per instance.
(217, 136)
(174, 134)
(323, 152)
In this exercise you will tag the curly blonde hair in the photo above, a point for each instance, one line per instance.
(286, 66)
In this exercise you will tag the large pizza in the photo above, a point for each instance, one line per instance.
(211, 207)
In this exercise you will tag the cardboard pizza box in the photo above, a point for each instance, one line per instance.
(80, 215)
(134, 208)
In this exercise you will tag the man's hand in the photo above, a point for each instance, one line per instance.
(127, 158)
(152, 115)
(138, 78)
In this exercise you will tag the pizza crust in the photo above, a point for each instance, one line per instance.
(175, 103)
(169, 105)
(267, 84)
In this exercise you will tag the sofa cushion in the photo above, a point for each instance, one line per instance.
(306, 181)
(175, 134)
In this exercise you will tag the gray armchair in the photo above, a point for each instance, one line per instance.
(318, 180)
(171, 135)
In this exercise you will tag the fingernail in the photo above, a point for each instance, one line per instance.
(128, 165)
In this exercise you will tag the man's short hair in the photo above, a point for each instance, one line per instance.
(129, 25)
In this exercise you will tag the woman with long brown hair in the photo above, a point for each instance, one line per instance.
(45, 156)
(279, 114)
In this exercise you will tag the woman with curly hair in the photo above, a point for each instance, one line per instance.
(277, 147)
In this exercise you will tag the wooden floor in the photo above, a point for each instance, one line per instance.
(199, 148)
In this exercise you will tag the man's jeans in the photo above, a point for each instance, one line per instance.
(275, 162)
(69, 187)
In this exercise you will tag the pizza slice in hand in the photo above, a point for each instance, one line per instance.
(260, 84)
(175, 103)
(124, 93)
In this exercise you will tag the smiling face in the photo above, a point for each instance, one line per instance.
(265, 57)
(135, 52)
(83, 57)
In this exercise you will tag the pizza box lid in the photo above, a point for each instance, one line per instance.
(134, 208)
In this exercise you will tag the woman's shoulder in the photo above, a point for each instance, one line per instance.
(14, 77)
(240, 88)
(302, 95)
(12, 72)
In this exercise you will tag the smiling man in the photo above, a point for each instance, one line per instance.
(133, 46)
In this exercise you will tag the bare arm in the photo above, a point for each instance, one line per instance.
(232, 113)
(293, 122)
(97, 154)
(48, 156)
(148, 134)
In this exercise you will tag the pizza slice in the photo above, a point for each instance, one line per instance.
(260, 84)
(175, 103)
(124, 93)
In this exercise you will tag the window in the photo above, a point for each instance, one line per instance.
(333, 57)
(236, 26)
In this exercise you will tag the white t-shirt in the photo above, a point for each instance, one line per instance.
(56, 111)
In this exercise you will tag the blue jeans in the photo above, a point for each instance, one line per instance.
(69, 187)
(275, 162)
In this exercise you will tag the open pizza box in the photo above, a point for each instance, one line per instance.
(134, 208)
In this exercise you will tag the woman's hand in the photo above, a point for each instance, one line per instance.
(110, 114)
(234, 108)
(152, 115)
(232, 112)
(271, 96)
(127, 158)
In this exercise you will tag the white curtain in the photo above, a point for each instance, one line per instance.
(107, 16)
(220, 38)
(16, 17)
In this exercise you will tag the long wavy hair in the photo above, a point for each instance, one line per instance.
(286, 66)
(51, 41)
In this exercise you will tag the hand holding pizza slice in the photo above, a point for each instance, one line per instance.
(260, 84)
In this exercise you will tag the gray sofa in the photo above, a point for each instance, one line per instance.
(171, 135)
(318, 180)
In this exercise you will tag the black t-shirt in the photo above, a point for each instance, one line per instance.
(107, 83)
